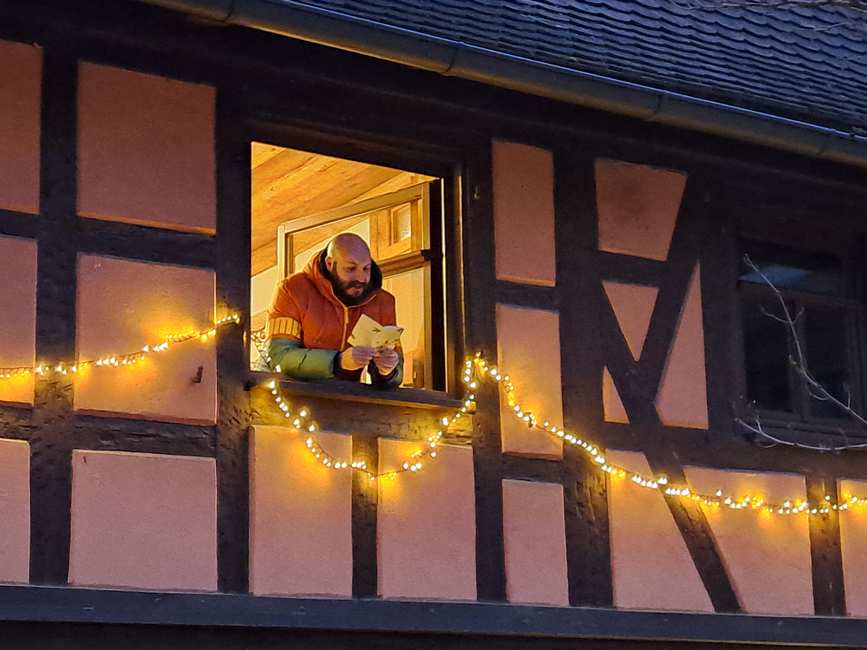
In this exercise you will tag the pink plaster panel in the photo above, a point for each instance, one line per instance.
(20, 116)
(123, 305)
(300, 515)
(426, 525)
(651, 566)
(767, 557)
(146, 149)
(682, 398)
(14, 511)
(612, 405)
(524, 213)
(637, 207)
(853, 545)
(534, 538)
(17, 316)
(633, 307)
(528, 349)
(145, 521)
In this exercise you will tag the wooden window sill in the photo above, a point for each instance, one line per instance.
(361, 393)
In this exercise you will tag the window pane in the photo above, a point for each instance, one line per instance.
(766, 355)
(792, 269)
(401, 223)
(827, 357)
(409, 295)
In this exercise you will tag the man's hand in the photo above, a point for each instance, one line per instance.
(355, 358)
(385, 359)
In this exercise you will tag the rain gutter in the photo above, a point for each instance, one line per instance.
(447, 57)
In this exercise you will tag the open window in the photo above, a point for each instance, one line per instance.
(300, 200)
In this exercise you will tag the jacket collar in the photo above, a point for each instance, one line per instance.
(318, 273)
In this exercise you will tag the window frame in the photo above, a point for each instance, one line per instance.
(797, 229)
(443, 241)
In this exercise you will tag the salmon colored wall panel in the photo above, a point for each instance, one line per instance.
(524, 213)
(300, 515)
(534, 538)
(853, 545)
(612, 405)
(528, 349)
(426, 525)
(20, 117)
(767, 557)
(633, 307)
(146, 149)
(682, 398)
(637, 207)
(123, 305)
(650, 564)
(145, 521)
(17, 316)
(14, 511)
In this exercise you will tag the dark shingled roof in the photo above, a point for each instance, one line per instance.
(807, 63)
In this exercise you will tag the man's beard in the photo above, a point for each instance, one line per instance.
(342, 293)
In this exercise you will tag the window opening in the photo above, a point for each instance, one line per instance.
(301, 200)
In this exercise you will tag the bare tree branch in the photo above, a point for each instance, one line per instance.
(798, 361)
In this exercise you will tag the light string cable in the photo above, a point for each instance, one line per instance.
(302, 421)
(126, 359)
(477, 370)
(660, 483)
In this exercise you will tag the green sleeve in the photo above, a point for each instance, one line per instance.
(301, 363)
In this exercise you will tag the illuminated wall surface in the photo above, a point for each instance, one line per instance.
(149, 520)
(127, 124)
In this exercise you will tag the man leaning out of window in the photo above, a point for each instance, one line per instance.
(313, 313)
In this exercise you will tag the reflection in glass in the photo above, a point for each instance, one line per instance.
(791, 269)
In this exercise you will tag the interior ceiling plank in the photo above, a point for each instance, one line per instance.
(289, 184)
(261, 152)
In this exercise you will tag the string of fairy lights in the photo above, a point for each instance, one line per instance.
(475, 371)
(119, 360)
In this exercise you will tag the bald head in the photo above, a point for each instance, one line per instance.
(347, 259)
(348, 245)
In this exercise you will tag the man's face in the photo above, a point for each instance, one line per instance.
(351, 272)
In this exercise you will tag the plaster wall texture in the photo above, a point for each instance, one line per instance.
(300, 515)
(20, 125)
(14, 511)
(146, 152)
(650, 564)
(524, 213)
(853, 546)
(633, 306)
(122, 305)
(637, 208)
(767, 557)
(528, 350)
(534, 538)
(17, 316)
(426, 525)
(682, 397)
(143, 521)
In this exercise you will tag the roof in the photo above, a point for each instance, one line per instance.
(796, 61)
